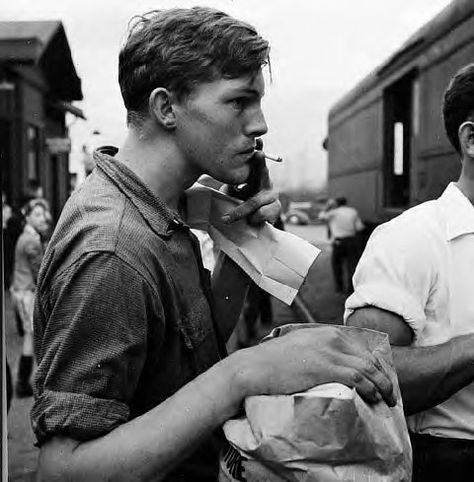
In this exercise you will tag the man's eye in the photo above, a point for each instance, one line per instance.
(239, 103)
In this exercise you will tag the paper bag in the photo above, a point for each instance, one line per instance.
(325, 434)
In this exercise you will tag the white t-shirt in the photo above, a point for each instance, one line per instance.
(344, 221)
(420, 266)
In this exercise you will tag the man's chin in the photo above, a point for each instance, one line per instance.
(235, 178)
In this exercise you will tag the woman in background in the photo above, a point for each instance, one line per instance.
(28, 255)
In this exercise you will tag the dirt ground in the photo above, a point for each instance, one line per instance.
(317, 294)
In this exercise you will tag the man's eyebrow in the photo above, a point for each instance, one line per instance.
(248, 90)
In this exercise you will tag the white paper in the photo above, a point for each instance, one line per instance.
(277, 261)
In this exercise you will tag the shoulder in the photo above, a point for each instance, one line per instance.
(90, 222)
(415, 227)
(98, 217)
(28, 240)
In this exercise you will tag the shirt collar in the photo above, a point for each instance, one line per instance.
(160, 218)
(458, 212)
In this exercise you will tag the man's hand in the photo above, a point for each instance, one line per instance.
(308, 357)
(261, 202)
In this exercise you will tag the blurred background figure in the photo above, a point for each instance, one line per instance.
(28, 255)
(36, 192)
(6, 211)
(12, 228)
(343, 223)
(6, 215)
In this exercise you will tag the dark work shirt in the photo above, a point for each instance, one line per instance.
(123, 316)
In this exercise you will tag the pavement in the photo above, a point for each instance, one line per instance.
(317, 295)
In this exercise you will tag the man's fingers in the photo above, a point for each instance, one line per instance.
(252, 206)
(368, 369)
(364, 387)
(269, 213)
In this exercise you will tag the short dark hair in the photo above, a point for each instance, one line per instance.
(458, 104)
(179, 48)
(341, 201)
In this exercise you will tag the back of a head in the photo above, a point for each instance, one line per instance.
(341, 201)
(458, 105)
(178, 48)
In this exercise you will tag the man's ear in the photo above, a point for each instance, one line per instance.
(466, 138)
(161, 108)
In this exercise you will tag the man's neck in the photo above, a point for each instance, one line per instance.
(159, 165)
(466, 180)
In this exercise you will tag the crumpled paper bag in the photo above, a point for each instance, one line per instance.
(326, 434)
(277, 261)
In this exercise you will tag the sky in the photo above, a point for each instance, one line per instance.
(319, 50)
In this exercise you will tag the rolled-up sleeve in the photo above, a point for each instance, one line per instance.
(394, 274)
(91, 343)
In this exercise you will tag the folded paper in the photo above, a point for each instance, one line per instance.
(277, 261)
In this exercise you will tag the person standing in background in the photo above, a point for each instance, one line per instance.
(343, 225)
(28, 255)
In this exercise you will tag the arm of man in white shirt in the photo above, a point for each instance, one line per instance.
(392, 285)
(427, 375)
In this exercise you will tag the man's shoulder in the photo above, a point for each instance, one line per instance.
(419, 218)
(91, 217)
(418, 229)
(92, 221)
(98, 217)
(345, 211)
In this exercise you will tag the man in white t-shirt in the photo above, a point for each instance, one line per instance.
(343, 223)
(415, 281)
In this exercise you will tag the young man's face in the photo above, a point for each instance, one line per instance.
(217, 125)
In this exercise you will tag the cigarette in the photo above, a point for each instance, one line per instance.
(259, 147)
(272, 158)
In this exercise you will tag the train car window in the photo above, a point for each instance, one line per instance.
(398, 133)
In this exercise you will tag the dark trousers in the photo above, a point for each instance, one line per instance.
(344, 259)
(442, 459)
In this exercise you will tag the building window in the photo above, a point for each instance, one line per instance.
(33, 152)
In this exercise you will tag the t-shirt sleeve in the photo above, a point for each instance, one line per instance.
(90, 344)
(394, 274)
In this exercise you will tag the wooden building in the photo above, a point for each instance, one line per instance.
(387, 149)
(38, 82)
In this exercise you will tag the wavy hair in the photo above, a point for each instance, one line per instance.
(179, 48)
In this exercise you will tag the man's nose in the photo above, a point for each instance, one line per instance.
(257, 126)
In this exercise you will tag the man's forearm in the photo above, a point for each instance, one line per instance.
(427, 375)
(150, 446)
(229, 286)
(430, 375)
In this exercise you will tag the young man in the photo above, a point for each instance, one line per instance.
(133, 382)
(416, 282)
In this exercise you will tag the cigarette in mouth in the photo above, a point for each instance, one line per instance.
(259, 147)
